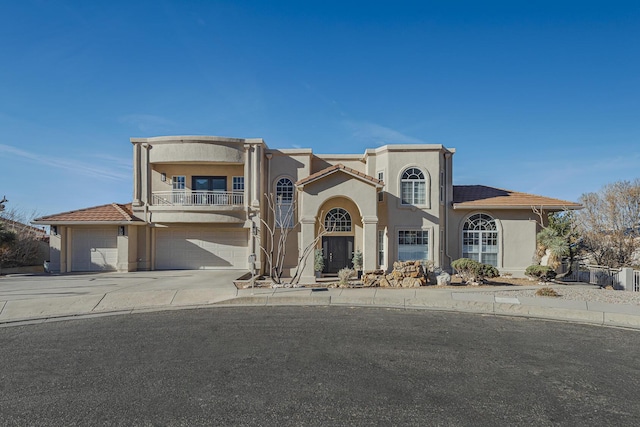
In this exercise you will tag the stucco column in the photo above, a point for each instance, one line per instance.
(68, 250)
(255, 176)
(145, 174)
(136, 175)
(308, 234)
(122, 263)
(369, 244)
(247, 174)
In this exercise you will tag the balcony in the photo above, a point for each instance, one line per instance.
(197, 198)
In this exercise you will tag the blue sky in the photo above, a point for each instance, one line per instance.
(541, 97)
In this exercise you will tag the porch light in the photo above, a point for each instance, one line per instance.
(54, 230)
(163, 177)
(121, 230)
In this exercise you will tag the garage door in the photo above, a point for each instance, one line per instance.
(194, 249)
(94, 249)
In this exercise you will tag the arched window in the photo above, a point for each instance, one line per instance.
(413, 187)
(284, 203)
(337, 219)
(480, 239)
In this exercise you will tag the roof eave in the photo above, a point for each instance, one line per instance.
(463, 206)
(360, 178)
(52, 222)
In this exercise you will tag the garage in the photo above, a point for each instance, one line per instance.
(200, 248)
(94, 249)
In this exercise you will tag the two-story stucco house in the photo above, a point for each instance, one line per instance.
(202, 202)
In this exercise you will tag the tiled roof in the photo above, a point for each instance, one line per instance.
(478, 196)
(339, 167)
(110, 213)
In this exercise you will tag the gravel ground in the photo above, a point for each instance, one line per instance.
(581, 294)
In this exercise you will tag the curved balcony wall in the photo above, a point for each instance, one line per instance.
(195, 151)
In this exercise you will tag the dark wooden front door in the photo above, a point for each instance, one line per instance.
(337, 252)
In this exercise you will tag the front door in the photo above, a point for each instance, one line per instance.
(337, 252)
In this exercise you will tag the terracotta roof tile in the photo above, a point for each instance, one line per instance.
(476, 196)
(113, 212)
(337, 167)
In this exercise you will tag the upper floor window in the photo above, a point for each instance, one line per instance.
(413, 187)
(380, 193)
(238, 183)
(178, 182)
(284, 203)
(337, 219)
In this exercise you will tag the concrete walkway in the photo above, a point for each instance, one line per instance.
(41, 298)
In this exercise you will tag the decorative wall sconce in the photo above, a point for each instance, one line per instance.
(54, 230)
(163, 177)
(121, 230)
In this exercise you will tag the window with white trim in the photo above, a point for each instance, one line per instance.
(413, 187)
(381, 192)
(413, 245)
(480, 239)
(284, 203)
(237, 183)
(178, 182)
(380, 248)
(337, 219)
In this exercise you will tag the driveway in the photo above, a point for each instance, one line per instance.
(20, 287)
(40, 297)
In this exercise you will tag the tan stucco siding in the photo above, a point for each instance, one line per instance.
(197, 152)
(517, 237)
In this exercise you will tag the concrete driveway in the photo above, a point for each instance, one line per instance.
(25, 297)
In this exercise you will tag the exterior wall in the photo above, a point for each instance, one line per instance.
(56, 262)
(349, 160)
(517, 237)
(393, 216)
(222, 150)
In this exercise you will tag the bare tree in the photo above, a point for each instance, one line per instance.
(277, 227)
(277, 231)
(609, 224)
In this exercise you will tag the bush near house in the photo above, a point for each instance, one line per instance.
(343, 277)
(473, 271)
(540, 272)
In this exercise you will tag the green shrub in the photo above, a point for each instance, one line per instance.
(472, 271)
(318, 260)
(540, 272)
(547, 292)
(357, 260)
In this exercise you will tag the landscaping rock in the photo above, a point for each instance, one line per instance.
(405, 274)
(443, 279)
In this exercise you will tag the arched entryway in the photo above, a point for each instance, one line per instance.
(341, 221)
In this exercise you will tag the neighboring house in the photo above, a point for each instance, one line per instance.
(198, 202)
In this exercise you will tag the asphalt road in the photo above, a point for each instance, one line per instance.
(317, 366)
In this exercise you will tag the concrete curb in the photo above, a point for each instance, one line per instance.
(41, 310)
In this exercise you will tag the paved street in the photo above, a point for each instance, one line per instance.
(317, 366)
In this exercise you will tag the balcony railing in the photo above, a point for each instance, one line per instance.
(197, 198)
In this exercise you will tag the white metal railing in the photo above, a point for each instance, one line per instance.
(197, 198)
